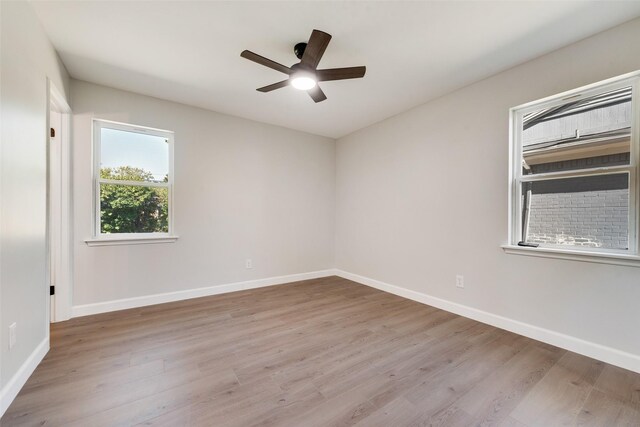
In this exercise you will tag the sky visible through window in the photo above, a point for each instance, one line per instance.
(123, 148)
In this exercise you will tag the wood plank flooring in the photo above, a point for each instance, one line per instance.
(323, 352)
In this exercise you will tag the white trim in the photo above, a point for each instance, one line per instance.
(134, 183)
(579, 93)
(15, 384)
(130, 240)
(123, 304)
(134, 128)
(634, 178)
(64, 279)
(59, 208)
(607, 354)
(55, 218)
(610, 170)
(516, 178)
(57, 98)
(584, 256)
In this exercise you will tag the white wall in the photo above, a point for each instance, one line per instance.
(242, 190)
(27, 59)
(422, 196)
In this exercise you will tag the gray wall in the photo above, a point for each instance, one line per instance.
(423, 196)
(27, 60)
(243, 189)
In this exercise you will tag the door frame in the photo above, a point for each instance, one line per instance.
(59, 207)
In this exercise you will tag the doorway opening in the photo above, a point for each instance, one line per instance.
(59, 207)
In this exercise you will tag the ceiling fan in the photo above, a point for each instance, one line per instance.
(305, 74)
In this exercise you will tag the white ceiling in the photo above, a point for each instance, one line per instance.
(189, 51)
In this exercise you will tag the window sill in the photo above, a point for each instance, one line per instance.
(113, 241)
(594, 257)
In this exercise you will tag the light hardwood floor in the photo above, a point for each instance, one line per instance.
(324, 352)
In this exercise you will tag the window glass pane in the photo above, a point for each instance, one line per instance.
(133, 156)
(588, 211)
(133, 209)
(583, 134)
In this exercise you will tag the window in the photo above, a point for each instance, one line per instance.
(133, 178)
(574, 170)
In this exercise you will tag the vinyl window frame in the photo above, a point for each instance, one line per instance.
(516, 179)
(100, 239)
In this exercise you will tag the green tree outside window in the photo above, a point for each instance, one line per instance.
(128, 208)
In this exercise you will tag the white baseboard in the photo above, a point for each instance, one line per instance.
(123, 304)
(597, 351)
(15, 384)
(600, 352)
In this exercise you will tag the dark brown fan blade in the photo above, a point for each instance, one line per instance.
(315, 48)
(317, 94)
(274, 86)
(265, 61)
(340, 73)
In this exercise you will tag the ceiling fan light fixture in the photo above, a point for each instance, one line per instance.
(303, 81)
(305, 74)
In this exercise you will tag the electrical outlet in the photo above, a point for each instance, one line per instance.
(12, 335)
(460, 281)
(248, 263)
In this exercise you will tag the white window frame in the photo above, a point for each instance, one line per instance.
(625, 257)
(99, 238)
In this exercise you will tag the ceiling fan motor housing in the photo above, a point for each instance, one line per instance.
(296, 68)
(299, 48)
